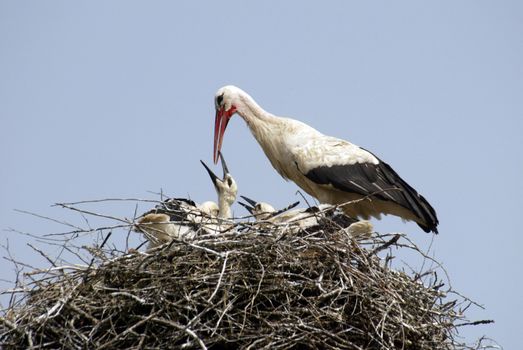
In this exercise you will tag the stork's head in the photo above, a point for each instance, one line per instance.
(260, 210)
(210, 208)
(226, 187)
(227, 101)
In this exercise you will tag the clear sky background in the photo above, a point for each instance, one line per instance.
(103, 99)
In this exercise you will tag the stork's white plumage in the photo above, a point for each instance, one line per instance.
(294, 219)
(332, 170)
(264, 211)
(226, 189)
(173, 218)
(181, 218)
(302, 219)
(260, 210)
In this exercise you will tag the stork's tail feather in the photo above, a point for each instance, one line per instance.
(428, 220)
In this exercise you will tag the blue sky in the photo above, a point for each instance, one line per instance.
(115, 99)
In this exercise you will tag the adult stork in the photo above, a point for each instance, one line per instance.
(332, 170)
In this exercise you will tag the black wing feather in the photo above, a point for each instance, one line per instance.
(379, 181)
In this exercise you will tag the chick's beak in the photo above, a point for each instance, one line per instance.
(213, 176)
(248, 200)
(224, 165)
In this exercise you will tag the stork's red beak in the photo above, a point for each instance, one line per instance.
(220, 124)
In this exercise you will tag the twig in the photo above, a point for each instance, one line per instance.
(378, 249)
(180, 327)
(220, 278)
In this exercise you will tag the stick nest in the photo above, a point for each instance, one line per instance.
(249, 288)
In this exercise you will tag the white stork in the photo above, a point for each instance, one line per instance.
(332, 170)
(302, 219)
(171, 219)
(180, 218)
(264, 211)
(226, 189)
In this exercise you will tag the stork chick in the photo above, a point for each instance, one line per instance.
(296, 219)
(226, 189)
(308, 217)
(170, 219)
(181, 218)
(264, 211)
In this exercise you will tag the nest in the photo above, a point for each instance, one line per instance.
(248, 288)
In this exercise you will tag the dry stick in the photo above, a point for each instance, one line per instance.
(42, 254)
(467, 299)
(86, 221)
(90, 317)
(16, 329)
(103, 228)
(259, 283)
(132, 296)
(182, 328)
(220, 278)
(37, 237)
(47, 218)
(19, 263)
(414, 247)
(58, 306)
(384, 246)
(18, 271)
(429, 248)
(222, 314)
(208, 250)
(129, 330)
(86, 275)
(109, 200)
(58, 268)
(93, 213)
(130, 228)
(63, 248)
(70, 249)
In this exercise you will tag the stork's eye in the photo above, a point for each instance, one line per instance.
(229, 181)
(219, 100)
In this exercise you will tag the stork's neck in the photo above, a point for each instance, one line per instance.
(258, 120)
(224, 206)
(270, 131)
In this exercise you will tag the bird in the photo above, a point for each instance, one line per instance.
(226, 189)
(172, 218)
(307, 218)
(332, 170)
(264, 211)
(182, 218)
